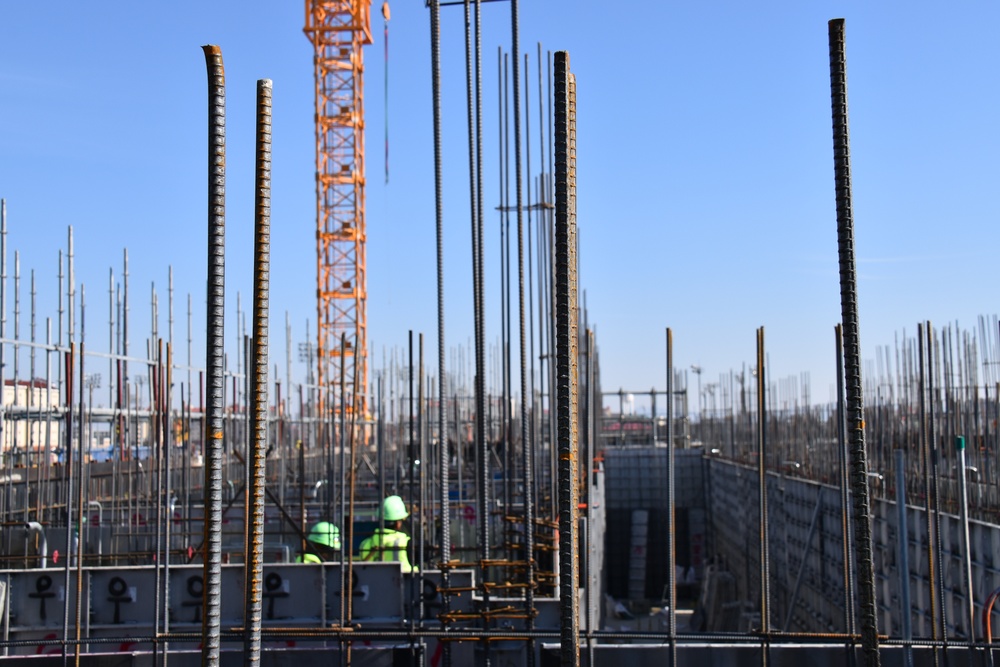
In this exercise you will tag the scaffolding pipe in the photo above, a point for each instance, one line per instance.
(852, 344)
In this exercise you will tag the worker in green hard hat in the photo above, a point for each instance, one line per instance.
(389, 543)
(324, 544)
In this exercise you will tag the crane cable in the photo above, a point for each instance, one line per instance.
(385, 15)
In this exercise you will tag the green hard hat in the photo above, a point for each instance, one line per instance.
(325, 533)
(394, 509)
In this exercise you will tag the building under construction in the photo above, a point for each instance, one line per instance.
(736, 524)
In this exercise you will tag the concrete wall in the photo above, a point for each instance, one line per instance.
(821, 600)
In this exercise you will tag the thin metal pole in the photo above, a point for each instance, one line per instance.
(253, 590)
(214, 447)
(3, 299)
(852, 344)
(671, 539)
(765, 560)
(925, 452)
(75, 548)
(566, 362)
(343, 470)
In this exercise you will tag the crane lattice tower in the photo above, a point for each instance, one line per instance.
(338, 30)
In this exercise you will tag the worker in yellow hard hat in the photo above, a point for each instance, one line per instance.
(324, 544)
(389, 543)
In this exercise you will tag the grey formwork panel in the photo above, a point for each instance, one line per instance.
(38, 602)
(377, 591)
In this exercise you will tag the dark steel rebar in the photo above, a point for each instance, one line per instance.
(566, 362)
(844, 484)
(216, 302)
(852, 345)
(254, 573)
(936, 486)
(68, 482)
(444, 459)
(526, 453)
(75, 549)
(671, 539)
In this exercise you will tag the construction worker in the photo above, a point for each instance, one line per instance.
(389, 543)
(324, 540)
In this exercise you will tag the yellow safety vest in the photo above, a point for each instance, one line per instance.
(390, 544)
(308, 558)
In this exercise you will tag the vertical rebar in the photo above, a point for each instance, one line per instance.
(211, 627)
(124, 318)
(435, 8)
(925, 452)
(566, 362)
(935, 496)
(75, 548)
(480, 314)
(765, 559)
(253, 577)
(671, 540)
(526, 453)
(70, 285)
(3, 295)
(68, 365)
(852, 345)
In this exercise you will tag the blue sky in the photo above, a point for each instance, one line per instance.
(705, 169)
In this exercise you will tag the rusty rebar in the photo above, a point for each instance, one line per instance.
(214, 379)
(253, 587)
(566, 361)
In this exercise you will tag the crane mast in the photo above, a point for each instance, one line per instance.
(338, 30)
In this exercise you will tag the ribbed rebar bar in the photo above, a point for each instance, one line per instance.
(211, 624)
(852, 345)
(566, 363)
(444, 458)
(765, 560)
(253, 577)
(844, 484)
(526, 453)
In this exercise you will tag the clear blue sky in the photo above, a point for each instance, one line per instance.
(705, 169)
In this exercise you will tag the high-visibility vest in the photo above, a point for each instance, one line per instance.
(308, 558)
(387, 545)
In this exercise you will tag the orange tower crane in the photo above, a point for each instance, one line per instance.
(338, 29)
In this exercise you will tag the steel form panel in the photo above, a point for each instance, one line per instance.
(338, 30)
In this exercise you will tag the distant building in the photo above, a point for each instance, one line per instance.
(31, 417)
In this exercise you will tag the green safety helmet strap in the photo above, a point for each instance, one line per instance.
(325, 533)
(394, 509)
